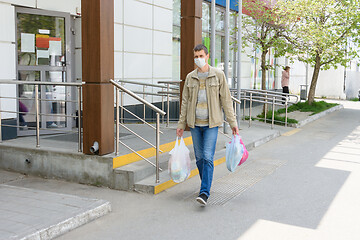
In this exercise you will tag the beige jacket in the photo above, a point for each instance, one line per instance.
(218, 96)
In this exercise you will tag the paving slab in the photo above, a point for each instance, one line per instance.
(34, 214)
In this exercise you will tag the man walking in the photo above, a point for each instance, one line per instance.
(204, 94)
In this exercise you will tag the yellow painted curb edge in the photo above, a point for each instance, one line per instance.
(291, 132)
(146, 153)
(168, 184)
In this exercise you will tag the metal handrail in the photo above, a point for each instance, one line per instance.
(266, 97)
(153, 107)
(158, 113)
(142, 83)
(37, 103)
(171, 82)
(162, 94)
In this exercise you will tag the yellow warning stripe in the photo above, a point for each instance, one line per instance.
(170, 183)
(292, 132)
(146, 153)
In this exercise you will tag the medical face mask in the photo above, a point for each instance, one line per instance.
(200, 62)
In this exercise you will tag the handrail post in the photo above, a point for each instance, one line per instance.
(250, 109)
(286, 111)
(266, 96)
(157, 147)
(144, 106)
(122, 105)
(273, 113)
(117, 122)
(37, 115)
(244, 106)
(168, 105)
(79, 119)
(162, 106)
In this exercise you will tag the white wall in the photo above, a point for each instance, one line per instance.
(7, 59)
(23, 3)
(352, 85)
(69, 6)
(330, 83)
(143, 43)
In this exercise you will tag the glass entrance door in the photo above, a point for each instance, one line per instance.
(44, 54)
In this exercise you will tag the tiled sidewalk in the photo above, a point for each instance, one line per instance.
(33, 214)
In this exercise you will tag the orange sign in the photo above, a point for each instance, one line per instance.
(42, 41)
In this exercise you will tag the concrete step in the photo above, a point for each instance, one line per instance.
(126, 176)
(148, 185)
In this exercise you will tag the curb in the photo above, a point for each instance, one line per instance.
(71, 223)
(316, 116)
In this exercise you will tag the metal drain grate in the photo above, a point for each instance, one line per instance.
(232, 185)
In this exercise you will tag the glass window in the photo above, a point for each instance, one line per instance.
(55, 104)
(41, 39)
(205, 17)
(219, 51)
(220, 20)
(27, 99)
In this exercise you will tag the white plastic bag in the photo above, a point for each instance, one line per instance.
(179, 162)
(234, 153)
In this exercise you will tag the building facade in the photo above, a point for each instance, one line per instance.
(40, 40)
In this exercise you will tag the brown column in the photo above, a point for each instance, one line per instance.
(191, 35)
(97, 69)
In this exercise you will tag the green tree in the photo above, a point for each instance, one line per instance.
(260, 31)
(318, 32)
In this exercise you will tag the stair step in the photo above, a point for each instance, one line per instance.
(146, 153)
(148, 185)
(126, 176)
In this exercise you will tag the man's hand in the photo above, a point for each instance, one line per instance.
(179, 132)
(235, 131)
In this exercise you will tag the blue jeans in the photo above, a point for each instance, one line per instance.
(204, 142)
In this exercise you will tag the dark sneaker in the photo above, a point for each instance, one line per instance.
(202, 199)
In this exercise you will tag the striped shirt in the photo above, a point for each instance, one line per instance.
(202, 112)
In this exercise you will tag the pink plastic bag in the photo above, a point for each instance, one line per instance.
(245, 154)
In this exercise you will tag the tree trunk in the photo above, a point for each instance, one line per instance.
(314, 79)
(263, 70)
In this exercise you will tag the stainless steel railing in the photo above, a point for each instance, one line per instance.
(38, 101)
(168, 93)
(267, 97)
(118, 88)
(167, 90)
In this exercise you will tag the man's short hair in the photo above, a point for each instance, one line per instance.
(200, 47)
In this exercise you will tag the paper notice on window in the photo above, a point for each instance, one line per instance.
(42, 54)
(28, 42)
(55, 48)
